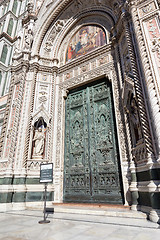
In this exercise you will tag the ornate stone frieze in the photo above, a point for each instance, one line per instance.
(43, 90)
(53, 33)
(72, 9)
(153, 31)
(146, 9)
(101, 71)
(15, 114)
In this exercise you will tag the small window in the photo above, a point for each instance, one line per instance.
(14, 8)
(10, 26)
(4, 53)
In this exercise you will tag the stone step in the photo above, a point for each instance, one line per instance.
(99, 210)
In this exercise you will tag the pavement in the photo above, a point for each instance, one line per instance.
(24, 225)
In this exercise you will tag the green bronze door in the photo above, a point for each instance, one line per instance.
(91, 172)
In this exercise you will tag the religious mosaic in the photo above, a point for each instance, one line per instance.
(85, 40)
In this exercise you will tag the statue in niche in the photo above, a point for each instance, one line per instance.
(28, 39)
(17, 50)
(134, 118)
(39, 142)
(39, 139)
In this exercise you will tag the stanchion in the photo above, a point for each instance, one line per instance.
(45, 197)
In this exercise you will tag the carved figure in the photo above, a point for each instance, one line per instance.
(30, 6)
(156, 46)
(28, 40)
(78, 3)
(38, 140)
(17, 50)
(98, 2)
(135, 120)
(39, 4)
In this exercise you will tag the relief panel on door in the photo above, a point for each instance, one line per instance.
(91, 172)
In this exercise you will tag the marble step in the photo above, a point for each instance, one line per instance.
(99, 210)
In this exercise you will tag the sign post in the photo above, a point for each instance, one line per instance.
(46, 176)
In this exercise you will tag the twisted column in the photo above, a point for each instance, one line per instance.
(18, 106)
(51, 122)
(138, 89)
(6, 116)
(29, 125)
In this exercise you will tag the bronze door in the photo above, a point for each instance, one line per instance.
(91, 171)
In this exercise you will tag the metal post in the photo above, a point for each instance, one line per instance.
(45, 198)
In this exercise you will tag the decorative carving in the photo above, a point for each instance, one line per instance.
(28, 40)
(17, 49)
(147, 8)
(100, 71)
(68, 75)
(38, 5)
(127, 62)
(156, 45)
(98, 2)
(78, 4)
(138, 89)
(152, 83)
(30, 7)
(55, 30)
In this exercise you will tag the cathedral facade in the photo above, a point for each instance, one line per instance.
(84, 95)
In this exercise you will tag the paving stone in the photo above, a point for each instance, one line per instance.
(23, 225)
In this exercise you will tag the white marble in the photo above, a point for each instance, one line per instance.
(23, 225)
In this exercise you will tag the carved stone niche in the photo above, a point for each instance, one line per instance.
(131, 108)
(40, 125)
(39, 139)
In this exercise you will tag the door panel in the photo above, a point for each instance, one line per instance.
(91, 171)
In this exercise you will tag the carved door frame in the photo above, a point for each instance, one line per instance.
(89, 175)
(62, 88)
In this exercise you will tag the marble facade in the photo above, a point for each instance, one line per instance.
(41, 80)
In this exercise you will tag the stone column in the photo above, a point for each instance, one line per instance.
(138, 89)
(147, 175)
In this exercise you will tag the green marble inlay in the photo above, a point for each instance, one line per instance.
(155, 199)
(6, 197)
(144, 199)
(32, 181)
(17, 181)
(133, 177)
(24, 197)
(38, 196)
(19, 197)
(150, 199)
(6, 181)
(134, 197)
(152, 174)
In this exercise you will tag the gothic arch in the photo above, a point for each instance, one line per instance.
(55, 13)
